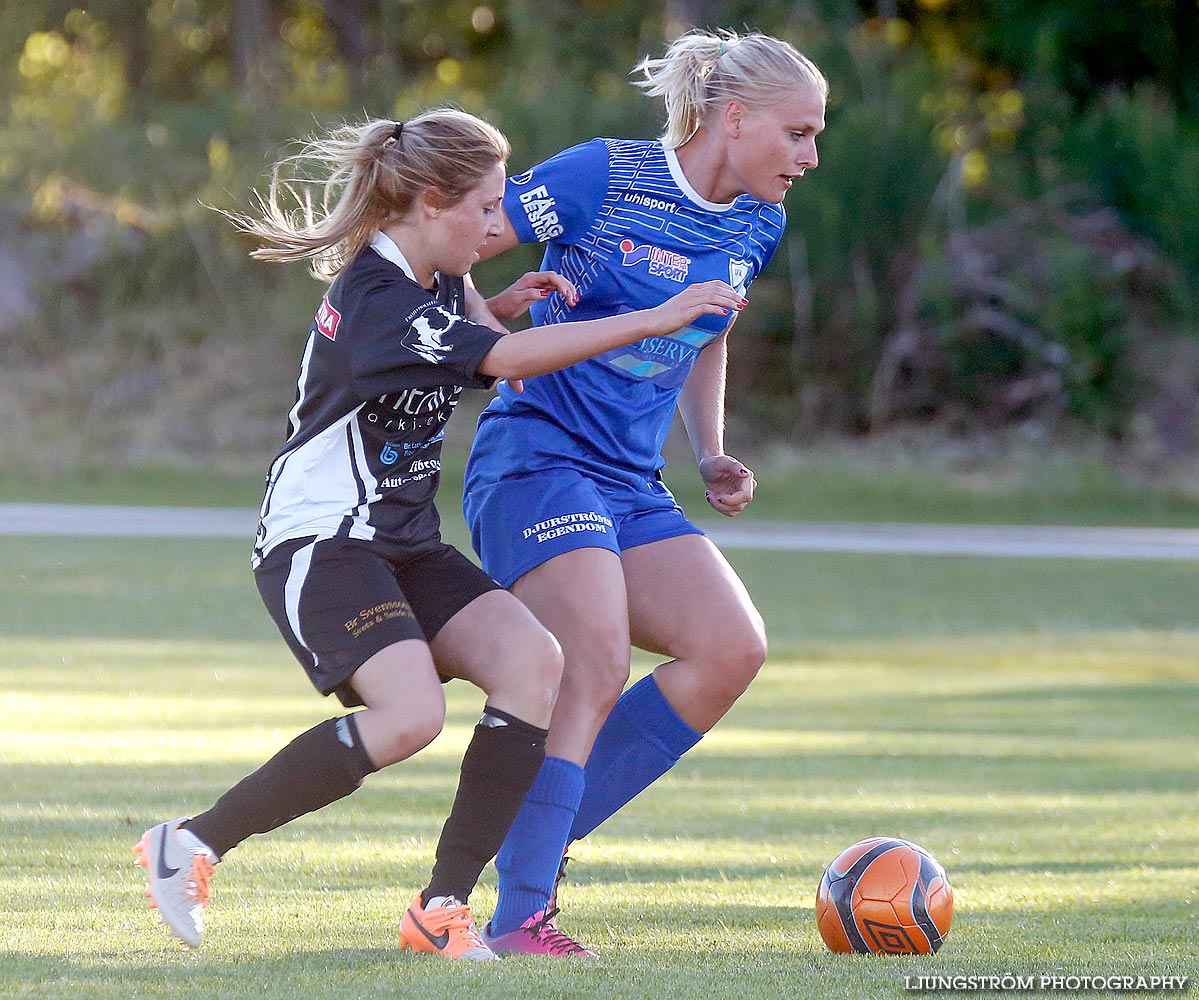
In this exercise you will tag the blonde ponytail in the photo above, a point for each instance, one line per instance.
(325, 202)
(703, 70)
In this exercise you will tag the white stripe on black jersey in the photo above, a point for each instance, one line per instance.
(385, 363)
(298, 573)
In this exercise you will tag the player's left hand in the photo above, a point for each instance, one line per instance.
(530, 287)
(730, 485)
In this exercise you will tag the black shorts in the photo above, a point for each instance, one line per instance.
(338, 602)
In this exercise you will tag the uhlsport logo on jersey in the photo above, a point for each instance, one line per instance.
(423, 336)
(327, 319)
(661, 262)
(648, 201)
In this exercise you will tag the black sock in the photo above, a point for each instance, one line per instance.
(320, 766)
(498, 769)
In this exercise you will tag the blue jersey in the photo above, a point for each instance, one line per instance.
(622, 222)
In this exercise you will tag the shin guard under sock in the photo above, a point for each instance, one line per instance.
(642, 738)
(500, 764)
(326, 763)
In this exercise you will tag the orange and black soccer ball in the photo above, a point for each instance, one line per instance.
(884, 896)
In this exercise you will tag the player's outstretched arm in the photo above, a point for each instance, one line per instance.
(542, 349)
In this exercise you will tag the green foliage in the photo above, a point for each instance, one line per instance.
(1143, 156)
(1089, 318)
(1063, 322)
(857, 224)
(124, 118)
(1075, 47)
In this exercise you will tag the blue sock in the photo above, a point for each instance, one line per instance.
(641, 740)
(528, 861)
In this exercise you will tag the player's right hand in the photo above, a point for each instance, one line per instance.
(717, 298)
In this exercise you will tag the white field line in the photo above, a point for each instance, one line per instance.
(920, 539)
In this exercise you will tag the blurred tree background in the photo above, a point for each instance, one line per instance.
(1003, 232)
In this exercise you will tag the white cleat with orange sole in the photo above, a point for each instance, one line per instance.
(180, 866)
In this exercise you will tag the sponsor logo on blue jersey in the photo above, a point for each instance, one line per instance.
(661, 262)
(539, 209)
(646, 201)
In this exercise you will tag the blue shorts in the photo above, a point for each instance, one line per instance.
(520, 522)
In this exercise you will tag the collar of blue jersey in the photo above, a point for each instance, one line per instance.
(386, 248)
(680, 178)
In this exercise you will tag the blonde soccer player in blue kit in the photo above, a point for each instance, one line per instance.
(565, 495)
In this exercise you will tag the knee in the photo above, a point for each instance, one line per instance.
(544, 661)
(404, 733)
(751, 651)
(735, 659)
(530, 675)
(598, 668)
(420, 733)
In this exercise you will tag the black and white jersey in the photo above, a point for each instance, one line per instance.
(384, 366)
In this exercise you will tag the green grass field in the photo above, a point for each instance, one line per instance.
(1031, 722)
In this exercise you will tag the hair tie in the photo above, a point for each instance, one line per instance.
(396, 131)
(720, 52)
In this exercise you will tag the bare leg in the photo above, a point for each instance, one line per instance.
(496, 644)
(580, 597)
(686, 602)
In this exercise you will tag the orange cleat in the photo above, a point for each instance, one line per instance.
(445, 928)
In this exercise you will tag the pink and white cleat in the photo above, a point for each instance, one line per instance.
(539, 935)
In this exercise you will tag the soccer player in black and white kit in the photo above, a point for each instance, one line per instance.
(349, 558)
